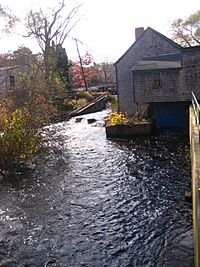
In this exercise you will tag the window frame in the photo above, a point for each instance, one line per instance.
(12, 80)
(157, 82)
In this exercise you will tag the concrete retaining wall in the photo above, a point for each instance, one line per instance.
(128, 130)
(195, 161)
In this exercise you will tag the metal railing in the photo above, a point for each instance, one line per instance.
(196, 108)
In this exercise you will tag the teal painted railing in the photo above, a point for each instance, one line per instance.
(196, 108)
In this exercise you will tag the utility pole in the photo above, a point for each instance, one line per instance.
(82, 70)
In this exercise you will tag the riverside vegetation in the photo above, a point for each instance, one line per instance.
(23, 113)
(20, 138)
(119, 118)
(22, 116)
(41, 90)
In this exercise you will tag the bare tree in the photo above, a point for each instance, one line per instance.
(187, 32)
(9, 20)
(107, 73)
(50, 30)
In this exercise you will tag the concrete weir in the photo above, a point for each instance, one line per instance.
(195, 162)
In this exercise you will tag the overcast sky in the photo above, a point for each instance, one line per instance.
(107, 26)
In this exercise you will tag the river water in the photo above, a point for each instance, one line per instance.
(99, 203)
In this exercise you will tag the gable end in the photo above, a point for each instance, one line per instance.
(155, 32)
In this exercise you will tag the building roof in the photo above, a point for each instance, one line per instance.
(156, 32)
(12, 67)
(168, 61)
(191, 48)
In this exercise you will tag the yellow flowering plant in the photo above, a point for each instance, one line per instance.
(117, 118)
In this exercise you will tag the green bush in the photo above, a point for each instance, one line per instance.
(113, 103)
(19, 141)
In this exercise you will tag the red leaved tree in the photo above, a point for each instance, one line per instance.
(88, 70)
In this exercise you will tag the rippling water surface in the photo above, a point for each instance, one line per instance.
(98, 202)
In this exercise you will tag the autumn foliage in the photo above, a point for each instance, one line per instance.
(90, 71)
(20, 140)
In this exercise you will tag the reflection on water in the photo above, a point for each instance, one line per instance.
(97, 202)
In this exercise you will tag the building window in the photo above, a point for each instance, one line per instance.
(12, 80)
(156, 80)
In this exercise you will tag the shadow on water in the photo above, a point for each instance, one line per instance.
(97, 202)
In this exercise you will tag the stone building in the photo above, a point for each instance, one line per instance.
(157, 71)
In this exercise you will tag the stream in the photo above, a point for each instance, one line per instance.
(94, 202)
